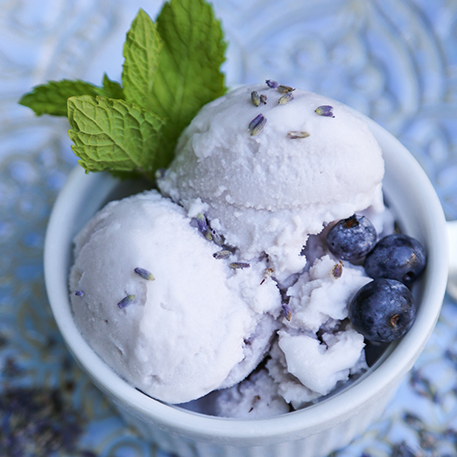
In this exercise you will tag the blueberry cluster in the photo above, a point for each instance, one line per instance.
(384, 309)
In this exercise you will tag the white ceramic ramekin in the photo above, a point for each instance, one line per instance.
(312, 432)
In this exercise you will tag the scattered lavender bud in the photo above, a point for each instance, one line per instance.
(294, 134)
(201, 223)
(126, 301)
(239, 265)
(255, 121)
(337, 270)
(287, 311)
(225, 253)
(257, 124)
(263, 99)
(255, 98)
(325, 110)
(79, 293)
(267, 274)
(205, 229)
(285, 89)
(272, 84)
(145, 274)
(287, 97)
(217, 237)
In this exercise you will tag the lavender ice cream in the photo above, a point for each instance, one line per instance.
(221, 287)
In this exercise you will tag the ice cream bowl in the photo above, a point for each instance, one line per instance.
(311, 432)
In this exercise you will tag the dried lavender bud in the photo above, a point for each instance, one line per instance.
(206, 230)
(337, 270)
(216, 237)
(255, 121)
(255, 98)
(285, 89)
(263, 99)
(272, 84)
(286, 98)
(201, 223)
(145, 274)
(126, 301)
(267, 274)
(225, 253)
(294, 135)
(287, 311)
(325, 110)
(79, 293)
(239, 265)
(257, 124)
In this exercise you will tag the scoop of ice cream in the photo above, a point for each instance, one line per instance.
(267, 192)
(158, 308)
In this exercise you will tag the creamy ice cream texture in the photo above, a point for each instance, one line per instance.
(191, 323)
(268, 192)
(197, 326)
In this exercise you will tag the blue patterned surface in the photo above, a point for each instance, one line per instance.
(393, 60)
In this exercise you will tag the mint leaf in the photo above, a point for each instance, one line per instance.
(110, 89)
(188, 75)
(141, 52)
(51, 98)
(114, 135)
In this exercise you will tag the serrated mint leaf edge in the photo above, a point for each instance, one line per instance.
(51, 98)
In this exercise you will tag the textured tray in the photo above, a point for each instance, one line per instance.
(393, 60)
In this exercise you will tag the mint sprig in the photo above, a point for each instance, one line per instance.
(171, 69)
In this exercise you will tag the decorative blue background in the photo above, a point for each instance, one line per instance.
(394, 60)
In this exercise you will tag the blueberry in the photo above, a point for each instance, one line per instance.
(383, 310)
(352, 238)
(396, 256)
